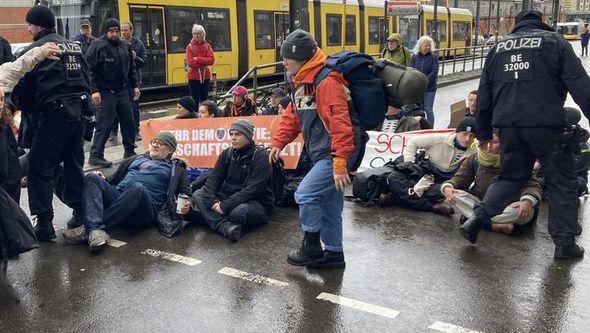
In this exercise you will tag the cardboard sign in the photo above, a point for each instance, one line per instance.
(457, 113)
(201, 141)
(383, 147)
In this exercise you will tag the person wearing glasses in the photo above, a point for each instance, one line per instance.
(142, 192)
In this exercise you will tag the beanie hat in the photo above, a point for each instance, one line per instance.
(240, 91)
(526, 15)
(285, 101)
(467, 124)
(168, 139)
(245, 127)
(279, 92)
(41, 16)
(109, 24)
(299, 45)
(188, 103)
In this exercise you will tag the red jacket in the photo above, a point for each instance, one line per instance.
(198, 57)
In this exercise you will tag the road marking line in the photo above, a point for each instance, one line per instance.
(450, 328)
(351, 303)
(115, 243)
(172, 257)
(251, 277)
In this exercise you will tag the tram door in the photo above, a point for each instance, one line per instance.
(148, 23)
(281, 32)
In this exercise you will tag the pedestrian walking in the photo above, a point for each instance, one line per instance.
(113, 74)
(199, 56)
(324, 120)
(584, 38)
(425, 60)
(522, 90)
(84, 38)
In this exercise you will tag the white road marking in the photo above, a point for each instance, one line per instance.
(171, 257)
(351, 303)
(450, 328)
(115, 243)
(251, 277)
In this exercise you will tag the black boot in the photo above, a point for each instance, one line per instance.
(330, 259)
(76, 220)
(309, 252)
(44, 228)
(231, 231)
(471, 228)
(129, 153)
(571, 251)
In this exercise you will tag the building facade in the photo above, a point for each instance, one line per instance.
(12, 20)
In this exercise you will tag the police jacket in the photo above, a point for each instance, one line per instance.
(526, 79)
(53, 80)
(111, 65)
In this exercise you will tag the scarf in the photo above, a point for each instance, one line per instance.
(488, 159)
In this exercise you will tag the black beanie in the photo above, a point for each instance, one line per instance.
(41, 16)
(529, 15)
(467, 124)
(188, 103)
(110, 23)
(299, 45)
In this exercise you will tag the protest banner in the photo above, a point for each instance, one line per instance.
(201, 141)
(383, 147)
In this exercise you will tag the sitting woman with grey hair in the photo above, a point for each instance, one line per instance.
(199, 56)
(425, 60)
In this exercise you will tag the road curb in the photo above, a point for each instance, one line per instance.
(468, 77)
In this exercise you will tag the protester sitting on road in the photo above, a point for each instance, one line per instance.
(238, 193)
(283, 103)
(395, 51)
(208, 109)
(471, 104)
(186, 108)
(470, 184)
(397, 122)
(275, 100)
(416, 184)
(241, 104)
(142, 192)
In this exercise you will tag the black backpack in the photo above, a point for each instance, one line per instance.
(368, 185)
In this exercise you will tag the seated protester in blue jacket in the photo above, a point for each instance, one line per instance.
(238, 193)
(142, 192)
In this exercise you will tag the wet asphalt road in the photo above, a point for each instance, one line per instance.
(411, 263)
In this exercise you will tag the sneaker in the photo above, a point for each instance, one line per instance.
(330, 259)
(572, 251)
(129, 153)
(100, 161)
(76, 235)
(97, 240)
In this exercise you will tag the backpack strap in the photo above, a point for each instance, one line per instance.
(320, 76)
(404, 51)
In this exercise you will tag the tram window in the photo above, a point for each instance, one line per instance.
(442, 29)
(180, 24)
(373, 30)
(216, 24)
(461, 31)
(263, 28)
(350, 30)
(334, 29)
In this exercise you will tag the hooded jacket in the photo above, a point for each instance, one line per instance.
(199, 55)
(401, 55)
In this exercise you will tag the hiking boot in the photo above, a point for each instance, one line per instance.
(97, 240)
(442, 209)
(571, 251)
(330, 259)
(76, 220)
(76, 235)
(309, 252)
(129, 153)
(231, 231)
(386, 199)
(99, 161)
(44, 229)
(471, 228)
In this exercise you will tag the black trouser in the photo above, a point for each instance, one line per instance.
(114, 104)
(584, 49)
(57, 140)
(135, 109)
(519, 149)
(250, 214)
(199, 91)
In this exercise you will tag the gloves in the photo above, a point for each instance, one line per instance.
(339, 166)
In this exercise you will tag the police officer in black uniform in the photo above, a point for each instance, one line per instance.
(84, 38)
(522, 91)
(113, 73)
(54, 97)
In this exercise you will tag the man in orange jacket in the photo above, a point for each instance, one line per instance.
(321, 115)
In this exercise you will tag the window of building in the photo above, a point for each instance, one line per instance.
(350, 30)
(180, 21)
(334, 29)
(373, 30)
(264, 30)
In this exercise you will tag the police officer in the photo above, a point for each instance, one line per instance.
(54, 94)
(84, 38)
(113, 73)
(522, 91)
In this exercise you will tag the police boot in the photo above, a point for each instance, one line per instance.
(44, 228)
(231, 231)
(570, 251)
(76, 220)
(471, 228)
(129, 153)
(309, 252)
(99, 161)
(330, 259)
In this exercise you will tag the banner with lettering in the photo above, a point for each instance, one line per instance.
(383, 147)
(201, 141)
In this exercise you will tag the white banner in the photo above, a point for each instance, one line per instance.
(383, 147)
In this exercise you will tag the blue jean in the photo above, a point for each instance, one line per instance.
(428, 105)
(320, 205)
(104, 207)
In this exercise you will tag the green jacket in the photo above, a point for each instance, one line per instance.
(401, 55)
